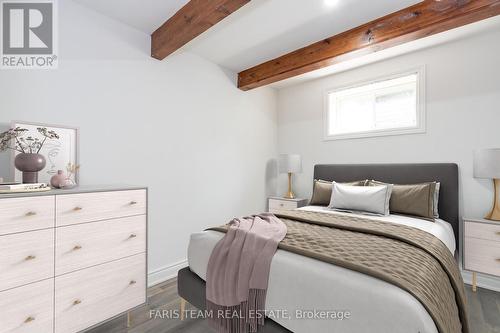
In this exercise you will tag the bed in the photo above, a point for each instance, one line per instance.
(334, 288)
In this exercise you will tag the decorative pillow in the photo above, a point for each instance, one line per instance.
(413, 199)
(322, 191)
(370, 199)
(436, 200)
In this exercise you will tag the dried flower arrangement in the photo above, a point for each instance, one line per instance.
(71, 169)
(28, 145)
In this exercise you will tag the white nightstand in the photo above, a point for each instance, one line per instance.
(481, 247)
(277, 204)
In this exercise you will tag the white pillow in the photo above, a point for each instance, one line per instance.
(370, 199)
(436, 200)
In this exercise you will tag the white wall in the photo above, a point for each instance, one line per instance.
(179, 126)
(463, 114)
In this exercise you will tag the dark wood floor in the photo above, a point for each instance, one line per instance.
(484, 313)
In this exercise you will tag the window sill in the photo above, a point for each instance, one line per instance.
(370, 134)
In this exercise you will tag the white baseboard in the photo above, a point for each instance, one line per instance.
(165, 273)
(483, 280)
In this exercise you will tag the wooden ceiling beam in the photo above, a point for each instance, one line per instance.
(424, 19)
(196, 17)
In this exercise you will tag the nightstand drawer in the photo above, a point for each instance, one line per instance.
(89, 244)
(28, 309)
(482, 256)
(25, 214)
(482, 231)
(275, 204)
(26, 257)
(89, 207)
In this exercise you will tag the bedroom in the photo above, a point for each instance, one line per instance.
(201, 147)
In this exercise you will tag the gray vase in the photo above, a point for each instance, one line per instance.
(29, 165)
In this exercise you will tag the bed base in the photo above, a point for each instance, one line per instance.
(192, 289)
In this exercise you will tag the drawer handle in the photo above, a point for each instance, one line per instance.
(497, 259)
(77, 247)
(76, 209)
(133, 203)
(132, 236)
(30, 258)
(30, 214)
(498, 233)
(29, 319)
(76, 302)
(132, 282)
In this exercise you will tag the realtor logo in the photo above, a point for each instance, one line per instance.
(28, 35)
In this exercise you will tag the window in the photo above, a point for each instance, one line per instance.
(390, 106)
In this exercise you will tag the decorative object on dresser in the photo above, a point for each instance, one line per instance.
(28, 159)
(290, 163)
(70, 180)
(487, 165)
(277, 204)
(58, 153)
(57, 180)
(21, 188)
(79, 256)
(481, 247)
(29, 164)
(65, 181)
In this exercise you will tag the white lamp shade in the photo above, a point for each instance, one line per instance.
(290, 163)
(487, 163)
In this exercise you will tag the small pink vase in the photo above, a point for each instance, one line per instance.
(58, 180)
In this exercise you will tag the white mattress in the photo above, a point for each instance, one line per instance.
(301, 283)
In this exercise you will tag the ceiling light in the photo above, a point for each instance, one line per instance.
(331, 3)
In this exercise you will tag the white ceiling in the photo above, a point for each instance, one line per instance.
(478, 28)
(145, 15)
(266, 29)
(259, 31)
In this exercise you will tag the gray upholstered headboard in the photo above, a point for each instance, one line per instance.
(445, 173)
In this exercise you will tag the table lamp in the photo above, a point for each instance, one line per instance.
(487, 165)
(290, 163)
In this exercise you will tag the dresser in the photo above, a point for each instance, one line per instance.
(481, 247)
(71, 259)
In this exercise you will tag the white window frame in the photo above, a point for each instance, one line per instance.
(421, 111)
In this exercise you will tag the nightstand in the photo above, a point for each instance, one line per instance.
(277, 204)
(481, 247)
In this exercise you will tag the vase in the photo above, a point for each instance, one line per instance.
(58, 180)
(29, 165)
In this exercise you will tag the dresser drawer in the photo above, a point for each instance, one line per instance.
(482, 256)
(28, 309)
(87, 297)
(24, 214)
(276, 205)
(88, 207)
(483, 231)
(88, 244)
(26, 257)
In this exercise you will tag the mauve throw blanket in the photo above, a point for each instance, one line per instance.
(238, 273)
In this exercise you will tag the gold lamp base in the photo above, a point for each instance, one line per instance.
(289, 194)
(494, 215)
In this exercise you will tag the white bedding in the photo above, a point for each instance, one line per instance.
(301, 283)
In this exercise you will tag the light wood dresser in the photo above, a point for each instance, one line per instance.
(481, 247)
(71, 259)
